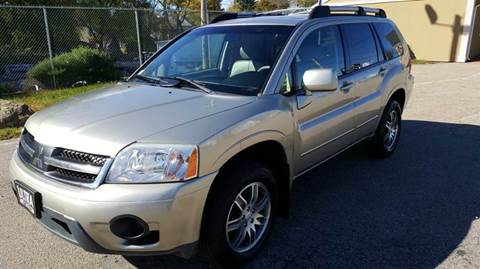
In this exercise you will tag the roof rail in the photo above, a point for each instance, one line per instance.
(278, 12)
(230, 16)
(285, 11)
(316, 11)
(326, 11)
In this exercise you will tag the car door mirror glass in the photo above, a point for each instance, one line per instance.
(320, 80)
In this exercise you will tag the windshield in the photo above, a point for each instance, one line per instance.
(233, 59)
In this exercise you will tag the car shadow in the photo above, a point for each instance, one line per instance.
(355, 211)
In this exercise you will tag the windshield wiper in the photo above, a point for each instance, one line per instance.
(172, 82)
(193, 83)
(148, 79)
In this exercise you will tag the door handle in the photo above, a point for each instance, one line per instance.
(346, 87)
(382, 71)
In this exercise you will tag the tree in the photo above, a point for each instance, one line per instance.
(233, 7)
(306, 3)
(268, 5)
(96, 3)
(112, 31)
(212, 5)
(243, 5)
(38, 2)
(19, 41)
(264, 5)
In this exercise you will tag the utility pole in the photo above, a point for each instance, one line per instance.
(204, 11)
(204, 19)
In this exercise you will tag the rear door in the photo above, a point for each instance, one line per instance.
(364, 75)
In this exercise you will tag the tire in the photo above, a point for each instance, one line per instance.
(222, 248)
(385, 141)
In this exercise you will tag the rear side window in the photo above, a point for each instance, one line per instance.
(360, 46)
(391, 42)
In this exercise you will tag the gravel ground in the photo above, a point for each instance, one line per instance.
(418, 209)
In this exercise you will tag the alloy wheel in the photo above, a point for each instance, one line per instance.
(248, 217)
(392, 126)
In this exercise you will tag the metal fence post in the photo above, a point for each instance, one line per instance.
(50, 54)
(204, 12)
(139, 43)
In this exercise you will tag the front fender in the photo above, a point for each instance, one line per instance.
(273, 125)
(250, 140)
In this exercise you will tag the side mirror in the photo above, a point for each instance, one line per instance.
(320, 80)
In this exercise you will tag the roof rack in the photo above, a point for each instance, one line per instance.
(316, 11)
(286, 11)
(278, 12)
(231, 16)
(326, 11)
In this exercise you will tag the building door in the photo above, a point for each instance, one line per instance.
(475, 39)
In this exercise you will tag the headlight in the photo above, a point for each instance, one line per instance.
(147, 163)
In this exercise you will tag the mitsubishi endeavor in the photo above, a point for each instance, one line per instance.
(198, 149)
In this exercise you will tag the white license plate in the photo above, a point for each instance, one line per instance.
(27, 198)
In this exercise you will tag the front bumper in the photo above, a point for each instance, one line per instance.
(82, 216)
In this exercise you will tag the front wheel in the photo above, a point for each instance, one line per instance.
(240, 215)
(387, 135)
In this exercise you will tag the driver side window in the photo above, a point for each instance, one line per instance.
(189, 59)
(323, 49)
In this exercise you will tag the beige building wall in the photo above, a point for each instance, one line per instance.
(433, 28)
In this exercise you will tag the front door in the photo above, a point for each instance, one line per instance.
(325, 124)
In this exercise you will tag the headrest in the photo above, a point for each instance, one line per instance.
(252, 50)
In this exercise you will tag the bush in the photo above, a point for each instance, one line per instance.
(6, 88)
(90, 65)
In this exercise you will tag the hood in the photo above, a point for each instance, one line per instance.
(105, 121)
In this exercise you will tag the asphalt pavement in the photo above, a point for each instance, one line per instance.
(417, 209)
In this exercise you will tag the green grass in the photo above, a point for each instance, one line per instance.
(39, 100)
(42, 99)
(419, 61)
(9, 133)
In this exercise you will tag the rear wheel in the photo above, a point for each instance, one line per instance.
(387, 135)
(240, 214)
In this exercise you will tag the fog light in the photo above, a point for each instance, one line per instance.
(128, 227)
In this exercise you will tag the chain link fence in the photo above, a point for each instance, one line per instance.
(29, 35)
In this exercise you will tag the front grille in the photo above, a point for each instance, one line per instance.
(66, 165)
(28, 138)
(27, 147)
(24, 156)
(82, 157)
(74, 176)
